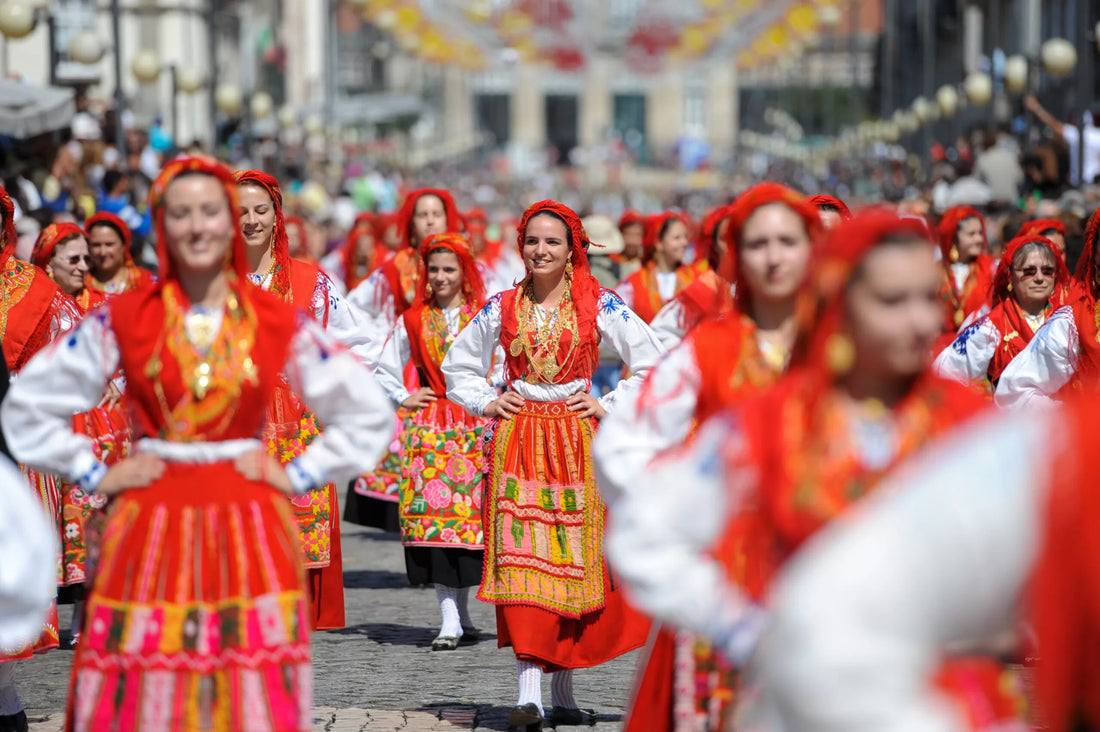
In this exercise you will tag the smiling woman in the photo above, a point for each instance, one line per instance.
(663, 274)
(556, 605)
(199, 526)
(112, 266)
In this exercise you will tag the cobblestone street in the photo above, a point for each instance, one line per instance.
(379, 672)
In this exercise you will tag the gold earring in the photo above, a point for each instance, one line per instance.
(429, 289)
(840, 353)
(1010, 287)
(954, 253)
(569, 268)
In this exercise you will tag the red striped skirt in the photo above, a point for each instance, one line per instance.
(197, 619)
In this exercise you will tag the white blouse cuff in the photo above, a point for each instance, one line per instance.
(303, 476)
(87, 471)
(738, 640)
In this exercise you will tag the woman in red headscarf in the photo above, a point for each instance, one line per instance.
(297, 239)
(391, 290)
(112, 266)
(198, 617)
(291, 426)
(1064, 357)
(440, 509)
(384, 297)
(1051, 229)
(502, 267)
(860, 399)
(62, 251)
(557, 605)
(361, 254)
(663, 274)
(632, 225)
(1031, 282)
(33, 312)
(967, 267)
(709, 295)
(769, 245)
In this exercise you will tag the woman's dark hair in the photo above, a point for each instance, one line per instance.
(568, 231)
(110, 225)
(667, 225)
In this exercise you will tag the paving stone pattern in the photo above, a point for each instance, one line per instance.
(379, 674)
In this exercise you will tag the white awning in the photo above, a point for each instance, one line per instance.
(27, 110)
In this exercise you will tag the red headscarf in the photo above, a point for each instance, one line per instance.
(585, 291)
(49, 238)
(949, 231)
(408, 208)
(1036, 227)
(743, 208)
(1002, 278)
(363, 222)
(473, 289)
(104, 218)
(10, 237)
(822, 201)
(631, 217)
(476, 217)
(238, 258)
(706, 248)
(280, 244)
(653, 226)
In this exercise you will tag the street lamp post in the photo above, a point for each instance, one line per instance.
(120, 99)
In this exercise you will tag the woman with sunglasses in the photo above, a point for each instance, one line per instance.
(1064, 355)
(62, 252)
(1030, 283)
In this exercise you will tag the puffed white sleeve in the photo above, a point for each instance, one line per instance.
(862, 615)
(659, 547)
(390, 371)
(468, 365)
(625, 291)
(65, 378)
(347, 323)
(374, 297)
(637, 430)
(967, 359)
(28, 544)
(631, 339)
(1045, 366)
(668, 323)
(357, 417)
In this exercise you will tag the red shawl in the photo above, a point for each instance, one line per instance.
(647, 295)
(10, 237)
(577, 360)
(822, 201)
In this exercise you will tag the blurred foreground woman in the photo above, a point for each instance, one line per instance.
(860, 398)
(198, 617)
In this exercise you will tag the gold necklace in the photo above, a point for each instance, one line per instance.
(541, 342)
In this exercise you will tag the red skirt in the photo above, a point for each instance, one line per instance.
(545, 569)
(197, 619)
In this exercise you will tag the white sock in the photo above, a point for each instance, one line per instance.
(78, 612)
(530, 684)
(464, 607)
(561, 689)
(9, 698)
(452, 628)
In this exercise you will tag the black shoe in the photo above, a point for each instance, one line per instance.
(14, 722)
(526, 716)
(445, 643)
(566, 716)
(470, 635)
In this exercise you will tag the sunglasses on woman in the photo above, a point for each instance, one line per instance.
(1047, 271)
(75, 259)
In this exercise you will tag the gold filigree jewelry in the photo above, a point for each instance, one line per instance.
(840, 353)
(541, 342)
(954, 253)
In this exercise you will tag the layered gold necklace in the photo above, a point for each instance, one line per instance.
(541, 341)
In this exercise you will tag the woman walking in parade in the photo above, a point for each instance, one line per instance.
(558, 606)
(112, 269)
(663, 274)
(441, 498)
(62, 252)
(198, 618)
(291, 425)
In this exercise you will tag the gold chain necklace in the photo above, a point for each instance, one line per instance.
(541, 342)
